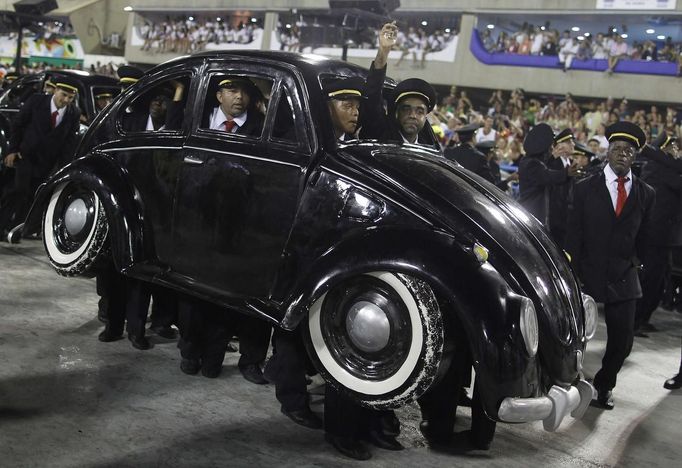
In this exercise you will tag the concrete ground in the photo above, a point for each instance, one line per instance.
(67, 399)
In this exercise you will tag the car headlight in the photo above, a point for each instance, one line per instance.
(590, 307)
(529, 326)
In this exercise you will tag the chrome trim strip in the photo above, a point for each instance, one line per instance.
(379, 193)
(246, 156)
(129, 148)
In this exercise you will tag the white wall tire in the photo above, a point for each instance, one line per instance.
(74, 251)
(384, 371)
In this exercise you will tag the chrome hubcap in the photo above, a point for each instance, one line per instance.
(76, 216)
(368, 326)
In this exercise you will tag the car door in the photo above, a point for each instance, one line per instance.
(237, 194)
(151, 160)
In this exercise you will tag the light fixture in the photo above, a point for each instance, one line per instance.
(614, 30)
(650, 31)
(575, 29)
(218, 19)
(586, 34)
(288, 26)
(425, 23)
(191, 18)
(624, 36)
(40, 23)
(581, 38)
(128, 8)
(660, 36)
(542, 28)
(491, 26)
(447, 30)
(253, 20)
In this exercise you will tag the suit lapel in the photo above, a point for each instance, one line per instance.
(46, 114)
(603, 197)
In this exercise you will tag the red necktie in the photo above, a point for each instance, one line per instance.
(622, 194)
(229, 125)
(54, 118)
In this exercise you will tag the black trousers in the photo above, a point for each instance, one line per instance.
(287, 367)
(657, 261)
(345, 418)
(111, 287)
(16, 200)
(439, 403)
(254, 340)
(620, 322)
(164, 308)
(204, 331)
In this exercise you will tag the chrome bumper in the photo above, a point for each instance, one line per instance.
(550, 409)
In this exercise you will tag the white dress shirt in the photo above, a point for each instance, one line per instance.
(60, 112)
(218, 118)
(150, 125)
(611, 180)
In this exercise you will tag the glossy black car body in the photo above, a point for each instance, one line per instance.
(24, 87)
(270, 227)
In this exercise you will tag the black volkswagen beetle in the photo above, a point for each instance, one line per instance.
(382, 253)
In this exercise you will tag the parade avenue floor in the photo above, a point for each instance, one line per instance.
(68, 400)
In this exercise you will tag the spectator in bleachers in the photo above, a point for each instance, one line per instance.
(617, 51)
(568, 52)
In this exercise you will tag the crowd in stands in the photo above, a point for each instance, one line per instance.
(187, 35)
(507, 118)
(539, 40)
(414, 42)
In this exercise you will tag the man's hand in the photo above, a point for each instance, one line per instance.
(573, 169)
(387, 39)
(11, 158)
(179, 90)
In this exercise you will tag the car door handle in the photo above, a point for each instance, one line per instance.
(193, 160)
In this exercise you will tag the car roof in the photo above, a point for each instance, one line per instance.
(86, 78)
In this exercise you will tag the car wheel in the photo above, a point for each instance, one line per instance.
(75, 230)
(378, 338)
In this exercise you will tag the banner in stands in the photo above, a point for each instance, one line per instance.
(40, 47)
(636, 4)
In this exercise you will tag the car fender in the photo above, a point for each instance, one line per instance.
(472, 293)
(100, 173)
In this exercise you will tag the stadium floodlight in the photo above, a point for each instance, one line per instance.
(575, 29)
(491, 26)
(660, 36)
(624, 36)
(425, 23)
(650, 31)
(128, 8)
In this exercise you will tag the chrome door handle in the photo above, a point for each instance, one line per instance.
(193, 160)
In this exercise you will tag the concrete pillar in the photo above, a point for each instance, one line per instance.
(269, 28)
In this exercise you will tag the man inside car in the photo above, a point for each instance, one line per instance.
(236, 111)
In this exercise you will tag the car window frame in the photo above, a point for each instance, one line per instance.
(286, 88)
(149, 84)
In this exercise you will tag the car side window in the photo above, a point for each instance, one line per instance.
(283, 129)
(154, 109)
(236, 104)
(18, 94)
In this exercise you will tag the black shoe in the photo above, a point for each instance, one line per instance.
(108, 336)
(164, 332)
(190, 366)
(435, 437)
(384, 441)
(604, 400)
(673, 383)
(390, 424)
(211, 371)
(139, 342)
(253, 374)
(304, 417)
(349, 447)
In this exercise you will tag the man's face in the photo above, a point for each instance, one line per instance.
(233, 101)
(344, 113)
(157, 108)
(103, 102)
(581, 160)
(594, 146)
(63, 98)
(411, 115)
(563, 149)
(620, 155)
(488, 123)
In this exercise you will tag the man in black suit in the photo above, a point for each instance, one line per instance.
(535, 178)
(237, 110)
(43, 138)
(609, 217)
(559, 194)
(408, 104)
(663, 171)
(467, 155)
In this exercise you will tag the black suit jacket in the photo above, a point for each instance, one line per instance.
(662, 172)
(252, 127)
(604, 248)
(470, 159)
(375, 123)
(40, 145)
(559, 200)
(535, 180)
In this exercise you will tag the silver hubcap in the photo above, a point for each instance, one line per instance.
(76, 216)
(368, 326)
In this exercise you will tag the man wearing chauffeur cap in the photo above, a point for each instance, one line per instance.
(607, 224)
(43, 136)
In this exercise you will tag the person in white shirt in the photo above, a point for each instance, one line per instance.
(567, 53)
(486, 132)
